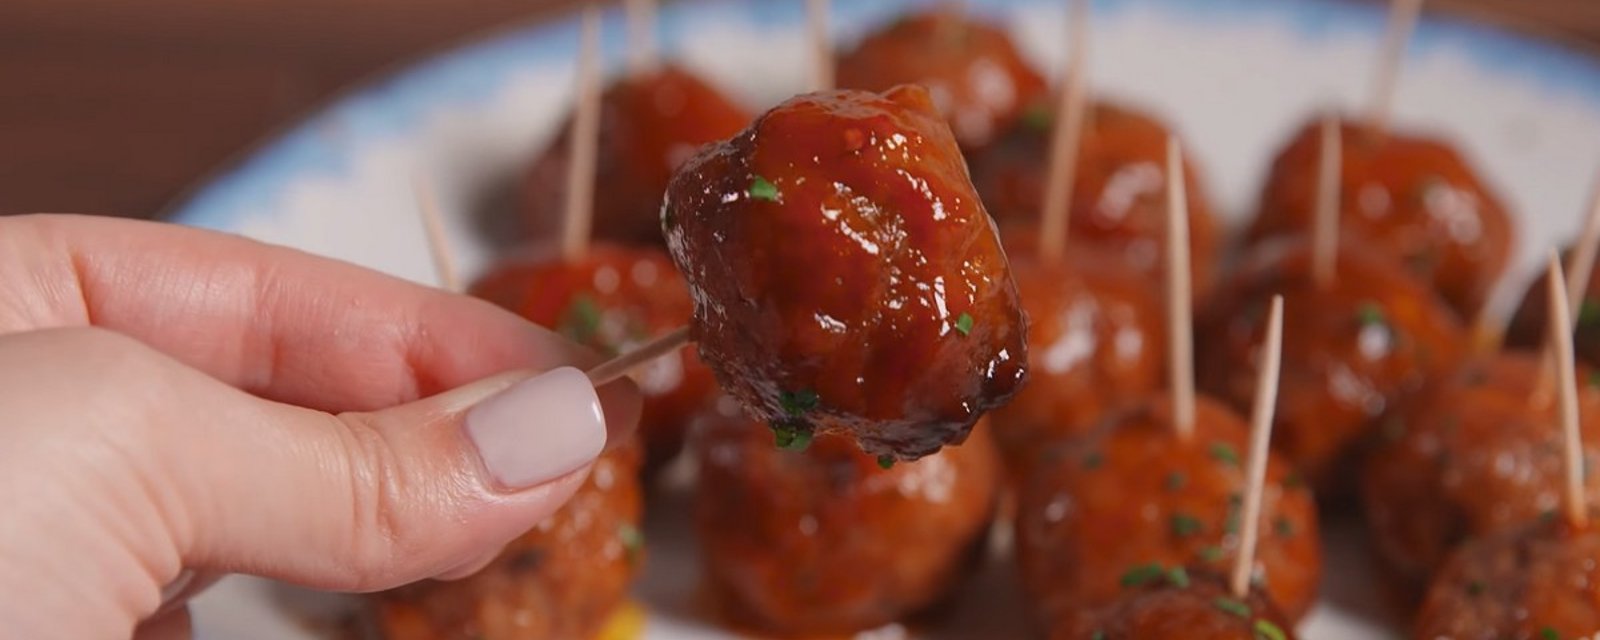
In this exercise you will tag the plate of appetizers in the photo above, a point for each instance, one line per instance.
(1000, 318)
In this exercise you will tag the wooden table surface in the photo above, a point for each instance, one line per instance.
(117, 107)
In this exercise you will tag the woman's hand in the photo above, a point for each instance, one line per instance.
(177, 404)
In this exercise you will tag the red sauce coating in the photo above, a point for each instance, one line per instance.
(560, 581)
(1352, 351)
(649, 124)
(613, 300)
(978, 80)
(1410, 196)
(1528, 326)
(1534, 582)
(845, 276)
(1097, 344)
(1119, 191)
(1133, 494)
(1477, 452)
(825, 541)
(1202, 608)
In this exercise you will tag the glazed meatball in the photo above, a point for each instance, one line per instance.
(1477, 452)
(561, 581)
(612, 300)
(978, 80)
(846, 279)
(1527, 329)
(1097, 345)
(1412, 197)
(1132, 493)
(1177, 604)
(822, 539)
(649, 124)
(1352, 350)
(1119, 191)
(1534, 582)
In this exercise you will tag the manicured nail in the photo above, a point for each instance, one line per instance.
(538, 429)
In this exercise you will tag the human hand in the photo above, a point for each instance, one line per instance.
(177, 404)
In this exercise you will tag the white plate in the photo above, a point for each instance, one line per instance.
(1233, 76)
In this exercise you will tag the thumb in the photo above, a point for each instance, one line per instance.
(367, 501)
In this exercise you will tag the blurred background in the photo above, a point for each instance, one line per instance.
(118, 107)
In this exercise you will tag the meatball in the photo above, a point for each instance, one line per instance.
(846, 278)
(826, 540)
(1119, 192)
(1132, 493)
(1160, 604)
(1534, 582)
(1477, 452)
(1412, 197)
(649, 124)
(1097, 345)
(561, 581)
(612, 300)
(1527, 329)
(1352, 350)
(978, 80)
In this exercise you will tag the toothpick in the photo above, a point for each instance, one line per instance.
(585, 134)
(821, 45)
(1402, 19)
(1580, 265)
(1325, 227)
(1561, 339)
(444, 264)
(621, 365)
(1179, 325)
(1066, 139)
(643, 52)
(1261, 414)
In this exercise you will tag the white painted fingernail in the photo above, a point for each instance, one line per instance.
(538, 429)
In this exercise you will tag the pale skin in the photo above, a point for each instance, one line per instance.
(177, 404)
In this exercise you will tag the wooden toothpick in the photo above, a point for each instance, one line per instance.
(1180, 331)
(821, 45)
(1325, 224)
(1402, 20)
(1561, 338)
(444, 264)
(1065, 139)
(621, 365)
(1261, 415)
(585, 141)
(643, 52)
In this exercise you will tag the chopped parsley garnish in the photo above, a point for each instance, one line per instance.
(1223, 452)
(762, 189)
(1142, 575)
(1175, 481)
(1475, 588)
(1232, 606)
(1184, 525)
(1549, 633)
(791, 436)
(1589, 312)
(1594, 378)
(632, 541)
(1211, 553)
(1266, 630)
(1294, 480)
(1369, 314)
(1235, 505)
(1283, 526)
(1038, 117)
(580, 322)
(1093, 460)
(885, 461)
(797, 403)
(1178, 577)
(1097, 635)
(964, 323)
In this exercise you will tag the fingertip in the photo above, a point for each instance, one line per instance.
(623, 405)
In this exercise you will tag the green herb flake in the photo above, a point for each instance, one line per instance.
(1175, 481)
(1178, 577)
(1549, 633)
(1230, 524)
(1369, 314)
(1038, 117)
(1475, 588)
(1230, 605)
(1294, 480)
(798, 403)
(1093, 460)
(1224, 453)
(1266, 630)
(1142, 575)
(1594, 378)
(1283, 526)
(1097, 635)
(762, 189)
(1211, 553)
(885, 461)
(1588, 313)
(1184, 525)
(964, 324)
(580, 322)
(791, 436)
(632, 541)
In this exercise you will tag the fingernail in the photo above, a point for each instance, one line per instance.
(538, 429)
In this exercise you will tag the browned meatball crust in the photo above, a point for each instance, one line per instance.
(1178, 604)
(1540, 581)
(846, 279)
